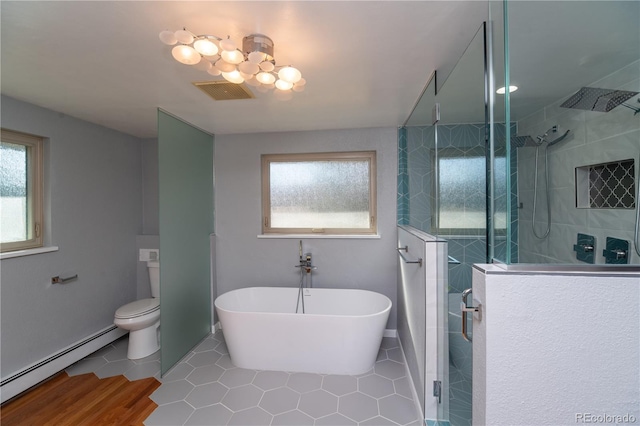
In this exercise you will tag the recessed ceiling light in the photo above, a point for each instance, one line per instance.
(501, 91)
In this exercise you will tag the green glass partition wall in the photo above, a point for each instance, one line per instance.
(186, 223)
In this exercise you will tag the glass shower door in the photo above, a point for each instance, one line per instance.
(461, 194)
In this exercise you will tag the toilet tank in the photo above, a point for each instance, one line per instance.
(153, 267)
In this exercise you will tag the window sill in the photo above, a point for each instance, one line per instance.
(28, 252)
(320, 236)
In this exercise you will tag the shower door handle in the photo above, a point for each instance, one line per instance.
(464, 308)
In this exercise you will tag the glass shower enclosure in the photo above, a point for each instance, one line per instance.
(443, 157)
(544, 175)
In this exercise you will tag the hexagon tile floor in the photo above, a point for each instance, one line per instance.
(206, 389)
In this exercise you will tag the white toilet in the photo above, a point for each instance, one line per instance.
(142, 318)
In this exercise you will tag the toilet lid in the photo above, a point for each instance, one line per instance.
(138, 308)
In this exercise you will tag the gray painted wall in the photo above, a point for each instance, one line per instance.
(150, 188)
(150, 238)
(243, 260)
(95, 191)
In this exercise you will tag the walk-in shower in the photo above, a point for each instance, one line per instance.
(585, 140)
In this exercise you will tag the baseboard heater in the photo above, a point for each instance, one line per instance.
(29, 376)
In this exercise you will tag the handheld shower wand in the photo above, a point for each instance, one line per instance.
(541, 140)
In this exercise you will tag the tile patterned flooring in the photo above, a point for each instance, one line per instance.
(205, 388)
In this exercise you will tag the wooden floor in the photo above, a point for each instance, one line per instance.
(82, 400)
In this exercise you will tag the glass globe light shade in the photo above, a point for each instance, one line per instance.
(203, 65)
(224, 66)
(246, 76)
(301, 82)
(289, 74)
(184, 36)
(249, 67)
(185, 54)
(168, 37)
(228, 44)
(267, 66)
(266, 78)
(205, 47)
(232, 56)
(256, 57)
(214, 71)
(284, 85)
(297, 88)
(233, 77)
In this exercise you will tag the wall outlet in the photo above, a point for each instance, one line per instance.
(149, 254)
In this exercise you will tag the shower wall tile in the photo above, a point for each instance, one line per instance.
(558, 238)
(562, 165)
(528, 242)
(596, 138)
(444, 136)
(475, 251)
(622, 78)
(565, 118)
(618, 219)
(526, 168)
(613, 123)
(402, 201)
(525, 125)
(463, 136)
(420, 145)
(616, 148)
(564, 211)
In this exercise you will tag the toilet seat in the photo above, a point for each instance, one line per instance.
(138, 308)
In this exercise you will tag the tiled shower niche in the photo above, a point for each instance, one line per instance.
(606, 186)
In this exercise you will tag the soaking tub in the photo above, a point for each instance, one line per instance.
(339, 333)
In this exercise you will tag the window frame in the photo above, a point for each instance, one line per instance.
(267, 159)
(35, 189)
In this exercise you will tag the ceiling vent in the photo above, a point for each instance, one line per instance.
(223, 90)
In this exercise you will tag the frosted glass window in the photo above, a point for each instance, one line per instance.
(13, 192)
(319, 193)
(20, 191)
(462, 193)
(462, 185)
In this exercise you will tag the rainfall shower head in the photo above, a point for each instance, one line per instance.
(595, 99)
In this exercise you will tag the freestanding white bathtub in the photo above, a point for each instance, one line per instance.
(339, 333)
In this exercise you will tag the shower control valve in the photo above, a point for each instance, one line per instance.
(586, 248)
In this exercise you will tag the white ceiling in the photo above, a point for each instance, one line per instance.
(365, 62)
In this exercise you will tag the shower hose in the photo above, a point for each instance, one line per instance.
(535, 195)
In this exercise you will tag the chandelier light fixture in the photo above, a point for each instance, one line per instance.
(254, 64)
